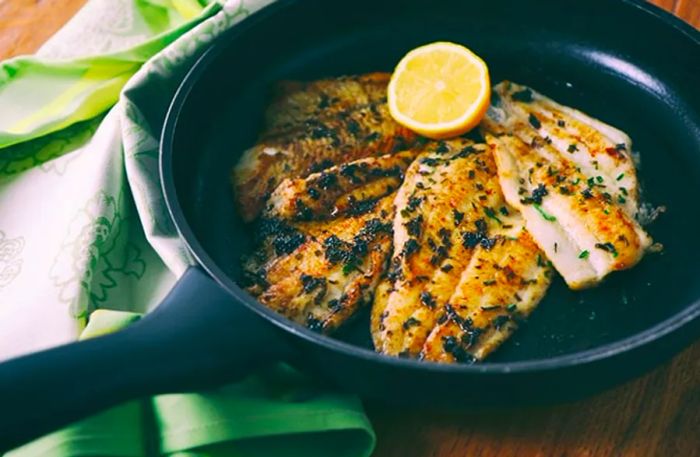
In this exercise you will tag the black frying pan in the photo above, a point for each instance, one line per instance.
(625, 62)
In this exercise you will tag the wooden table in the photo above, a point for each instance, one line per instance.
(655, 416)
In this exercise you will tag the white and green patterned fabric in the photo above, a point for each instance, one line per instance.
(86, 245)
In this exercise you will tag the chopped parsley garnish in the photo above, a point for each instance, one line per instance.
(313, 193)
(337, 250)
(327, 180)
(467, 151)
(572, 148)
(621, 200)
(524, 96)
(458, 217)
(536, 197)
(599, 178)
(349, 268)
(583, 255)
(413, 202)
(427, 299)
(544, 214)
(410, 247)
(314, 324)
(414, 226)
(353, 127)
(478, 237)
(608, 247)
(500, 321)
(374, 136)
(620, 176)
(512, 307)
(311, 283)
(452, 346)
(410, 322)
(532, 119)
(492, 215)
(303, 212)
(430, 161)
(285, 238)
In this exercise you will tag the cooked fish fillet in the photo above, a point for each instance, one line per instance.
(454, 236)
(500, 287)
(295, 102)
(325, 241)
(573, 180)
(599, 150)
(347, 188)
(305, 137)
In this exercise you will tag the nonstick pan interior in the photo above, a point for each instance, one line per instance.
(612, 60)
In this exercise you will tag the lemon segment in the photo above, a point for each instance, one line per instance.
(439, 90)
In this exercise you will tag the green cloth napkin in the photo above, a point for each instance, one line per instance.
(87, 247)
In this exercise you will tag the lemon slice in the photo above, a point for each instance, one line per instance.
(439, 90)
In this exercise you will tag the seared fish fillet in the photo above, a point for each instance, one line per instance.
(464, 270)
(315, 126)
(295, 102)
(324, 241)
(572, 178)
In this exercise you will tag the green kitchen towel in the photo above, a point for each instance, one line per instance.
(86, 244)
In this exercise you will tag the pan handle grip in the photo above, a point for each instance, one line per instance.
(196, 338)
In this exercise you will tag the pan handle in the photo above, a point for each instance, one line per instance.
(196, 338)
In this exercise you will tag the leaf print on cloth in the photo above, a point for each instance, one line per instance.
(42, 151)
(121, 31)
(141, 150)
(172, 63)
(10, 262)
(95, 255)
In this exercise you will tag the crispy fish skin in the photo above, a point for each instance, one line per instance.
(315, 143)
(579, 202)
(318, 264)
(449, 214)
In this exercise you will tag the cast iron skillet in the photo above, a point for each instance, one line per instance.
(625, 62)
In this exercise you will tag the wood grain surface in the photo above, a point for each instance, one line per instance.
(26, 24)
(657, 415)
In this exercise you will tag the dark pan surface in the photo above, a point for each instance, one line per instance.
(612, 60)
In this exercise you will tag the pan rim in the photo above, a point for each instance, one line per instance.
(635, 342)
